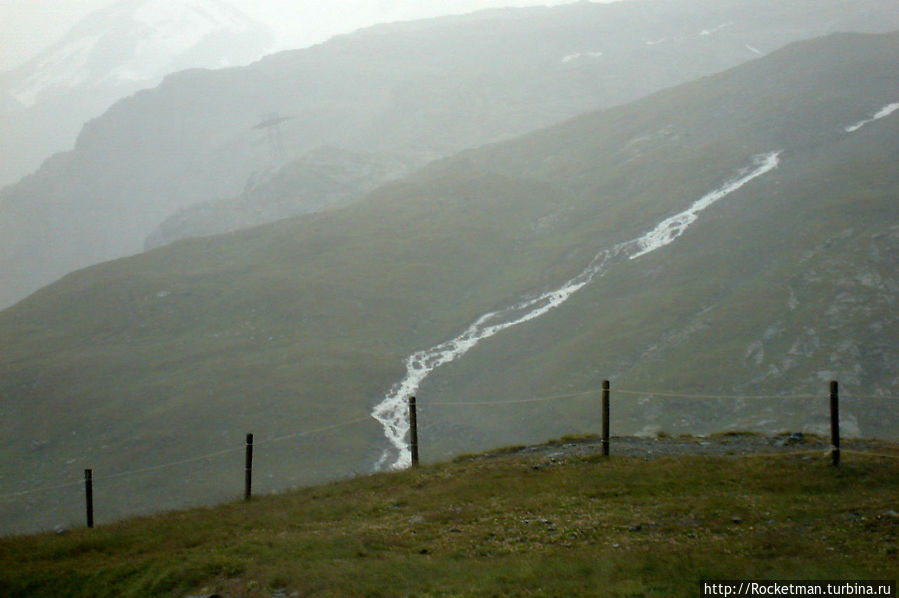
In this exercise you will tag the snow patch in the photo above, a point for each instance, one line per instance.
(715, 29)
(755, 352)
(579, 55)
(885, 111)
(391, 412)
(160, 32)
(792, 301)
(175, 28)
(753, 49)
(163, 14)
(66, 67)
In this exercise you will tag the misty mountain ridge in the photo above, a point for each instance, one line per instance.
(112, 53)
(785, 282)
(160, 37)
(325, 178)
(403, 94)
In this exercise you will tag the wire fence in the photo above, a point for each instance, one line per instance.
(195, 459)
(660, 394)
(653, 394)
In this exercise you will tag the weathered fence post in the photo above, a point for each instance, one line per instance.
(248, 469)
(413, 432)
(835, 422)
(89, 496)
(605, 418)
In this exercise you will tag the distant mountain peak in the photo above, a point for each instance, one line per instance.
(139, 41)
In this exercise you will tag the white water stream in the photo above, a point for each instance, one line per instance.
(392, 411)
(885, 111)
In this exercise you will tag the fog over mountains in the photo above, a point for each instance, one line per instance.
(758, 204)
(132, 44)
(195, 156)
(112, 53)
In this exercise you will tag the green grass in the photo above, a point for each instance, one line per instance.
(505, 525)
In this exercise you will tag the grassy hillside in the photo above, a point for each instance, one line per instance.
(273, 332)
(508, 525)
(784, 285)
(791, 284)
(288, 328)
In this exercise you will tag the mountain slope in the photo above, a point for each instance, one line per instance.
(293, 328)
(322, 179)
(788, 283)
(409, 92)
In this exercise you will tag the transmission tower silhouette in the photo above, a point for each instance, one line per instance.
(271, 124)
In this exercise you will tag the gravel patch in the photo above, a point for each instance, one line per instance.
(722, 445)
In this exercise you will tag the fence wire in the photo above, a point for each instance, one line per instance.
(659, 394)
(534, 399)
(195, 459)
(516, 401)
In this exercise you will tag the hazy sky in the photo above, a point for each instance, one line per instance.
(29, 26)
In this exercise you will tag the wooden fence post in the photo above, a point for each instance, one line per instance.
(89, 496)
(605, 418)
(248, 469)
(835, 422)
(413, 432)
